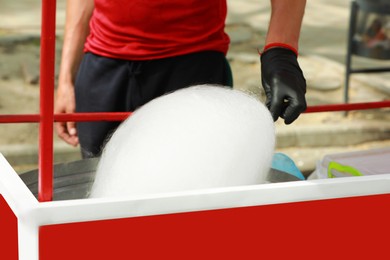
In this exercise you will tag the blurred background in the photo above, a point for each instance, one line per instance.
(329, 27)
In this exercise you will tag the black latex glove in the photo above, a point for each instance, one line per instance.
(284, 84)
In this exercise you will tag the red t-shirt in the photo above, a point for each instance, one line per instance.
(144, 30)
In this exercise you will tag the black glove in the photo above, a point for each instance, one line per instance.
(284, 84)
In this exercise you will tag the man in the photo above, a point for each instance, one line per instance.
(118, 55)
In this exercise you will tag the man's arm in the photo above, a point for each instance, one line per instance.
(282, 78)
(78, 14)
(286, 21)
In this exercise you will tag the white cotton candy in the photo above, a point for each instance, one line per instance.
(195, 138)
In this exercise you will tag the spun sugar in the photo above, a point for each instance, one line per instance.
(195, 138)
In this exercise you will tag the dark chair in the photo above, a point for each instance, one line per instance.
(363, 25)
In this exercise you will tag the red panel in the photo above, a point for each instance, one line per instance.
(8, 232)
(47, 75)
(347, 228)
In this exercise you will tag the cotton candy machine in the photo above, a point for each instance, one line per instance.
(271, 221)
(231, 222)
(73, 180)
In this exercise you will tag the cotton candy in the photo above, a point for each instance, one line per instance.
(195, 138)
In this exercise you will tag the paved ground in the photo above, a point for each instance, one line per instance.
(322, 57)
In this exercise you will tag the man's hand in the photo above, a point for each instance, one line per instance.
(284, 84)
(78, 14)
(65, 103)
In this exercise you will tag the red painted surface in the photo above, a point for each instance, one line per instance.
(348, 107)
(47, 78)
(8, 232)
(120, 116)
(348, 228)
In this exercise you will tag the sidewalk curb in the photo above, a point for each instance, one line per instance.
(334, 134)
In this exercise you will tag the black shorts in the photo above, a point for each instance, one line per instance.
(113, 85)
